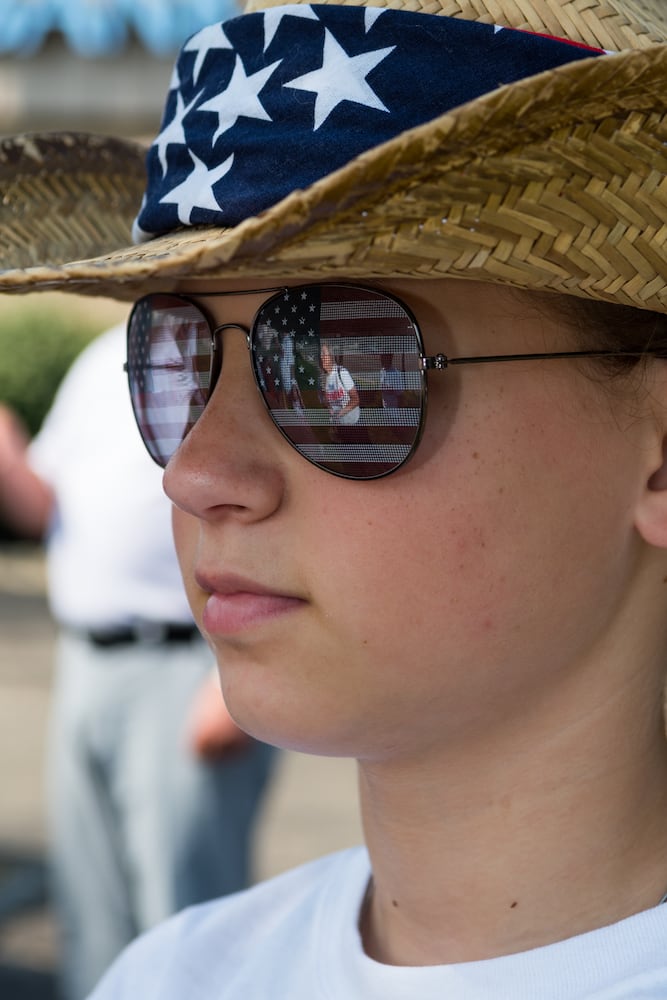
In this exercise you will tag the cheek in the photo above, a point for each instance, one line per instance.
(474, 553)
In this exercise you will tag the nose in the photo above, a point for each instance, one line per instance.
(230, 465)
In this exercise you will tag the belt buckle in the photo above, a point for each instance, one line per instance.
(152, 633)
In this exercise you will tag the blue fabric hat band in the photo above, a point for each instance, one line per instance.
(272, 101)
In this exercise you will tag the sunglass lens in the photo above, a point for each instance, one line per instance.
(169, 370)
(339, 367)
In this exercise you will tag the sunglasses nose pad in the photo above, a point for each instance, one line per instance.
(217, 350)
(216, 361)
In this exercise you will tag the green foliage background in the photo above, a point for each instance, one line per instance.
(37, 346)
(39, 340)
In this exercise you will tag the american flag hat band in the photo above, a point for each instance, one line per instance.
(275, 100)
(333, 139)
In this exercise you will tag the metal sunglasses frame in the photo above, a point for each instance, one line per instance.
(436, 362)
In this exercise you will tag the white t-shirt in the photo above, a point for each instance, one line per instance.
(296, 938)
(111, 556)
(337, 388)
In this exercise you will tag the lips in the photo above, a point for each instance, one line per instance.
(236, 604)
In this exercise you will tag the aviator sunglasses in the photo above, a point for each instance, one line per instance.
(341, 369)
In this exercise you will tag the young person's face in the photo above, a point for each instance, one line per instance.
(393, 616)
(325, 357)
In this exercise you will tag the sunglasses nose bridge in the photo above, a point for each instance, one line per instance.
(217, 352)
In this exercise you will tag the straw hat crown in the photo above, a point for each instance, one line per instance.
(611, 24)
(554, 181)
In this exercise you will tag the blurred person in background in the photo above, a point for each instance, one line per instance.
(153, 791)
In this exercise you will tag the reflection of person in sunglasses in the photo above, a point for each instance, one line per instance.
(340, 391)
(290, 386)
(391, 383)
(474, 609)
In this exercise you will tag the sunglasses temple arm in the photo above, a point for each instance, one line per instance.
(440, 362)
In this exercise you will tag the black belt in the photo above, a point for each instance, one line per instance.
(151, 633)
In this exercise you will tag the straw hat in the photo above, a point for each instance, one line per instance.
(555, 181)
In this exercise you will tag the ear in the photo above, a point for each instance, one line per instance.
(651, 511)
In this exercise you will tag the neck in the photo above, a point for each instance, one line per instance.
(554, 826)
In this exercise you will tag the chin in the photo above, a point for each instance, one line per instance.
(291, 723)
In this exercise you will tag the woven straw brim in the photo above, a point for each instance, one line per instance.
(557, 182)
(66, 195)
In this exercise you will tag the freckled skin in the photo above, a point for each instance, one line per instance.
(470, 522)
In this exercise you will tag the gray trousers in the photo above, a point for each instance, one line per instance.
(139, 826)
